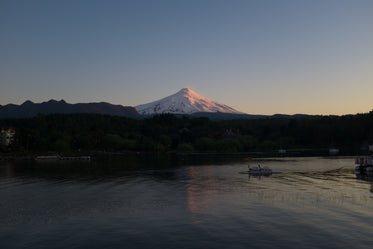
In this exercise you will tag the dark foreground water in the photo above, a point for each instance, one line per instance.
(185, 203)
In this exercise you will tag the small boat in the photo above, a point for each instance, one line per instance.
(364, 165)
(47, 158)
(59, 158)
(257, 170)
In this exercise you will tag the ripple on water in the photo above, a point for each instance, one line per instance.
(313, 203)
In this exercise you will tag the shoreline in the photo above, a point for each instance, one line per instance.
(98, 154)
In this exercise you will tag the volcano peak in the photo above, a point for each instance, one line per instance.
(185, 101)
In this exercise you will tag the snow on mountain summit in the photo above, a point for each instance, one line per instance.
(186, 101)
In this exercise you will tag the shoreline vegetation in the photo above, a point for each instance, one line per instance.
(102, 135)
(245, 156)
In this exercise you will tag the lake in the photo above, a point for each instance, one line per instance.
(144, 201)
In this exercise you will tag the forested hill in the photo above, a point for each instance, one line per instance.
(29, 109)
(65, 133)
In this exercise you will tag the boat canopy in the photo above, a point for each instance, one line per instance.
(364, 161)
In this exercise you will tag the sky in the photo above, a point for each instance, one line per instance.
(259, 57)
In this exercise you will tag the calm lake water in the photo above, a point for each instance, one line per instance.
(185, 202)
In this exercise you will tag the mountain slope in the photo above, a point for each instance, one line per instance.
(185, 101)
(30, 109)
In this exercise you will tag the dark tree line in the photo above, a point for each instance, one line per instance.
(92, 132)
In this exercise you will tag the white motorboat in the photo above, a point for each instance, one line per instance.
(364, 165)
(259, 171)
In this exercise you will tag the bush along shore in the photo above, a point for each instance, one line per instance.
(87, 134)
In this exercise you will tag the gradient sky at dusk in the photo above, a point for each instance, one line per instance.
(259, 57)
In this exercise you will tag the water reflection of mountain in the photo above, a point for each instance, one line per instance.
(201, 189)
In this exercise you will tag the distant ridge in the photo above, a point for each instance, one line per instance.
(186, 101)
(30, 109)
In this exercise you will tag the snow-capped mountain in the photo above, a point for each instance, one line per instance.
(186, 101)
